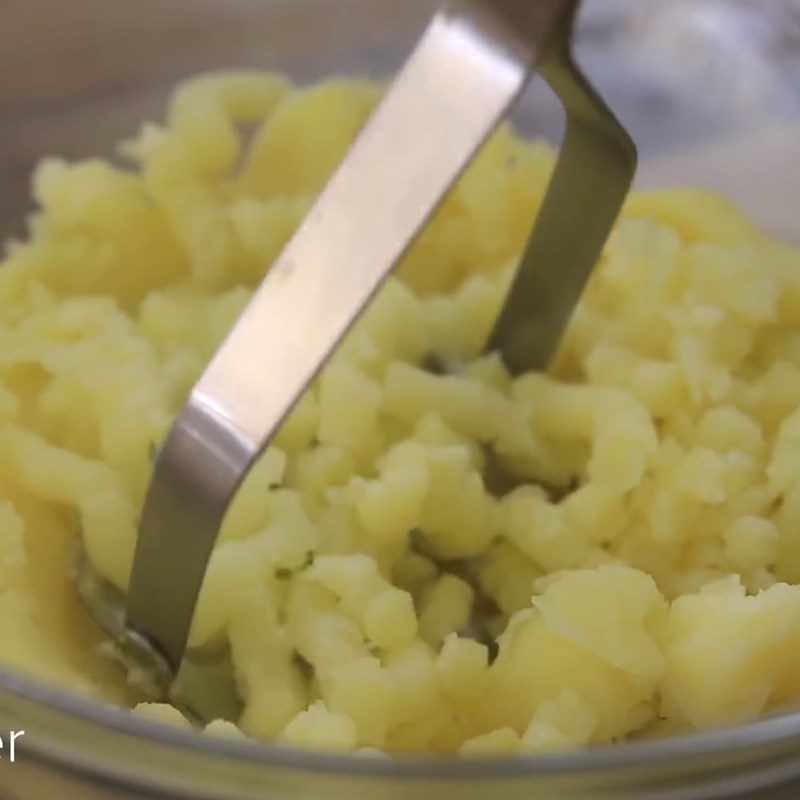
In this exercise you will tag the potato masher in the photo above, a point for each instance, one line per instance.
(469, 67)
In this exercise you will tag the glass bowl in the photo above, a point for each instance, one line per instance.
(701, 84)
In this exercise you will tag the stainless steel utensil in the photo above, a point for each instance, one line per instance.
(467, 70)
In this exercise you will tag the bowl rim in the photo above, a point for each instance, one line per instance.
(692, 747)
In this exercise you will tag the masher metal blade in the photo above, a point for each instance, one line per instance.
(594, 171)
(468, 69)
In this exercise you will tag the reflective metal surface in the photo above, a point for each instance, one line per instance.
(594, 171)
(76, 749)
(471, 64)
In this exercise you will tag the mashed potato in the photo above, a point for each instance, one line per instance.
(376, 589)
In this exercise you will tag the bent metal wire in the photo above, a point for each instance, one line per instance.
(466, 72)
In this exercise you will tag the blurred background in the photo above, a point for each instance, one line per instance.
(710, 89)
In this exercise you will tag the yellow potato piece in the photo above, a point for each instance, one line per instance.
(642, 575)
